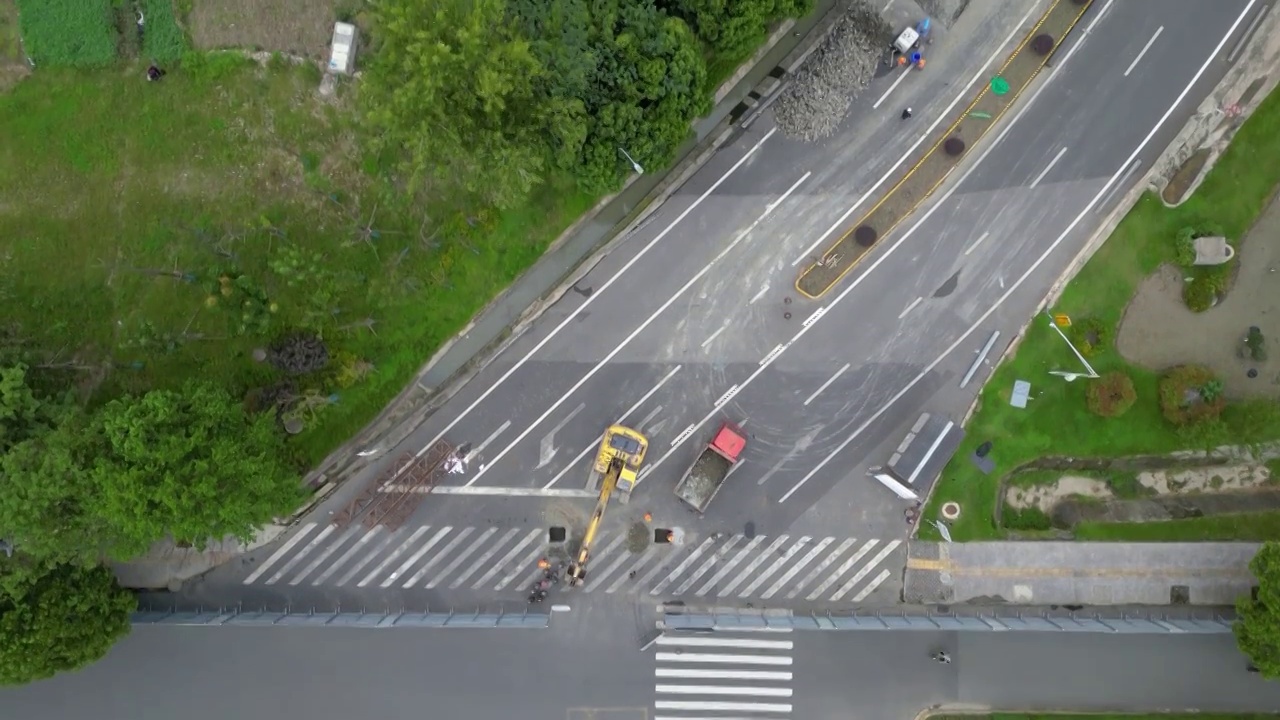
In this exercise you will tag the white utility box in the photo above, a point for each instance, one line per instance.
(342, 54)
(904, 44)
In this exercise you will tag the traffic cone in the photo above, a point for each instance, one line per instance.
(648, 517)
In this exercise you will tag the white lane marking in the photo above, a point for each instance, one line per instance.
(458, 560)
(755, 563)
(844, 568)
(840, 550)
(866, 570)
(722, 706)
(697, 674)
(302, 554)
(381, 545)
(342, 560)
(1099, 16)
(730, 566)
(671, 555)
(505, 559)
(910, 307)
(727, 396)
(508, 491)
(902, 75)
(684, 565)
(775, 567)
(1047, 168)
(976, 243)
(594, 296)
(480, 448)
(1143, 51)
(635, 333)
(331, 549)
(786, 577)
(928, 133)
(1106, 200)
(595, 578)
(414, 558)
(759, 295)
(547, 448)
(698, 641)
(631, 571)
(871, 586)
(684, 435)
(801, 445)
(1034, 266)
(644, 421)
(723, 659)
(304, 531)
(813, 317)
(782, 198)
(711, 338)
(826, 384)
(702, 570)
(506, 538)
(392, 557)
(444, 552)
(533, 572)
(722, 690)
(772, 354)
(622, 419)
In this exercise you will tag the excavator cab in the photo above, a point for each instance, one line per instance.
(618, 462)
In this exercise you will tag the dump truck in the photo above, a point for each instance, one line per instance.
(617, 462)
(708, 473)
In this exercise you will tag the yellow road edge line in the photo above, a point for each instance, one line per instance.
(928, 154)
(1032, 572)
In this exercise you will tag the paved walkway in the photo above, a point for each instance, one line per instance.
(1079, 573)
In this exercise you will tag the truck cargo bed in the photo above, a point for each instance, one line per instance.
(703, 479)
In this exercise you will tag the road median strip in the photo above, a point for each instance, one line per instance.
(947, 151)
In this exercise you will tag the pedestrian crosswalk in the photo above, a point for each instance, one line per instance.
(702, 676)
(495, 559)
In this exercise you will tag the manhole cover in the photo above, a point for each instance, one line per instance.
(749, 530)
(865, 236)
(953, 146)
(556, 535)
(638, 538)
(1042, 44)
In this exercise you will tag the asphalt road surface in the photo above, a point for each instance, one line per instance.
(684, 324)
(597, 672)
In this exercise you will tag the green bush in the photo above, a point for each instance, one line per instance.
(68, 33)
(1111, 395)
(1032, 518)
(1090, 335)
(1184, 247)
(1256, 345)
(1187, 395)
(1199, 294)
(163, 40)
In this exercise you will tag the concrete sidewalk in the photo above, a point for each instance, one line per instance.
(1078, 573)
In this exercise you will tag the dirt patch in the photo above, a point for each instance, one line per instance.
(296, 27)
(13, 61)
(1045, 497)
(1222, 479)
(1181, 181)
(638, 538)
(1158, 331)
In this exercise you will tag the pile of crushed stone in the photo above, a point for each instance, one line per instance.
(818, 97)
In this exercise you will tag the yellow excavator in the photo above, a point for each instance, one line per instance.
(618, 462)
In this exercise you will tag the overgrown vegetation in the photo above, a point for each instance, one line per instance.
(68, 33)
(1257, 628)
(1111, 395)
(1060, 423)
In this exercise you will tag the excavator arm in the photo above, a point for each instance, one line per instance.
(577, 572)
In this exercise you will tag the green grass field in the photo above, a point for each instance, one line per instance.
(1058, 422)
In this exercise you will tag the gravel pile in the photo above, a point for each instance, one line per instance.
(816, 101)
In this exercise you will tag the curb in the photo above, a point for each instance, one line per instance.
(391, 426)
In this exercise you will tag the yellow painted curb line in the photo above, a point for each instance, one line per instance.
(949, 566)
(951, 129)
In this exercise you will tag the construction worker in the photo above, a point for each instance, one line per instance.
(543, 564)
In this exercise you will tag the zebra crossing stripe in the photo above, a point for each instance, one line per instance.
(769, 571)
(506, 537)
(302, 554)
(662, 565)
(696, 641)
(697, 674)
(367, 559)
(422, 571)
(524, 564)
(844, 568)
(506, 559)
(414, 558)
(284, 549)
(394, 554)
(459, 560)
(723, 690)
(722, 706)
(644, 558)
(683, 566)
(796, 568)
(688, 583)
(722, 658)
(840, 550)
(871, 586)
(773, 546)
(730, 566)
(331, 549)
(594, 579)
(866, 570)
(364, 540)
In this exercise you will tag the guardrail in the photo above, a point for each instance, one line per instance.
(312, 618)
(1154, 621)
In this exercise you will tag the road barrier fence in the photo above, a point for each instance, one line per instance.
(312, 618)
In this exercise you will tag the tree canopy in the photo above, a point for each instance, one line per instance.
(55, 618)
(188, 464)
(734, 27)
(1257, 629)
